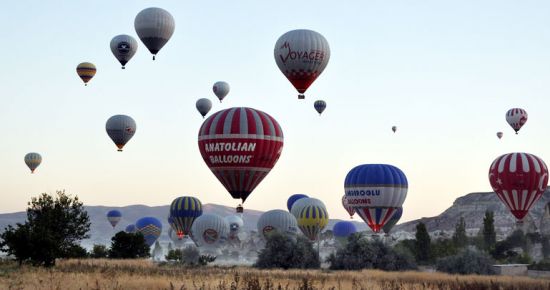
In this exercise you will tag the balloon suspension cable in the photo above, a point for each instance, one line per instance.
(301, 96)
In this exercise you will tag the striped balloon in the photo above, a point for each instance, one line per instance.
(240, 146)
(301, 203)
(312, 220)
(183, 211)
(376, 191)
(123, 47)
(347, 207)
(150, 228)
(519, 180)
(33, 160)
(301, 55)
(114, 216)
(86, 71)
(292, 199)
(320, 106)
(277, 220)
(155, 27)
(393, 220)
(121, 129)
(516, 117)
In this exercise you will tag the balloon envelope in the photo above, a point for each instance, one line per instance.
(203, 106)
(499, 135)
(342, 230)
(292, 199)
(240, 146)
(86, 71)
(376, 191)
(312, 219)
(183, 212)
(301, 55)
(33, 160)
(320, 106)
(394, 129)
(393, 220)
(114, 216)
(130, 229)
(121, 129)
(221, 89)
(151, 229)
(210, 230)
(123, 47)
(347, 207)
(155, 27)
(277, 220)
(301, 203)
(519, 180)
(516, 118)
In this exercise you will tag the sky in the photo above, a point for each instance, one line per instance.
(443, 72)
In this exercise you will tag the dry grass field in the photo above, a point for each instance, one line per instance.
(141, 274)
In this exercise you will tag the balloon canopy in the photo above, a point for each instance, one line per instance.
(277, 220)
(183, 212)
(221, 89)
(123, 47)
(114, 216)
(151, 229)
(121, 129)
(154, 26)
(516, 118)
(33, 160)
(86, 71)
(292, 199)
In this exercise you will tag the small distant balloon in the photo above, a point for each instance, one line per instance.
(394, 129)
(516, 118)
(155, 27)
(123, 48)
(221, 89)
(121, 129)
(33, 160)
(320, 106)
(203, 106)
(86, 71)
(114, 216)
(499, 135)
(131, 229)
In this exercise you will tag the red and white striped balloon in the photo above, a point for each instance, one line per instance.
(519, 180)
(349, 209)
(516, 117)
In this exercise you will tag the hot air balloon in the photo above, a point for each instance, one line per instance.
(86, 71)
(320, 106)
(121, 129)
(293, 198)
(221, 89)
(394, 129)
(236, 224)
(342, 230)
(519, 180)
(376, 191)
(154, 26)
(301, 203)
(499, 135)
(347, 207)
(203, 106)
(150, 228)
(277, 220)
(123, 48)
(33, 160)
(393, 221)
(312, 219)
(516, 117)
(178, 242)
(240, 146)
(130, 229)
(210, 230)
(114, 216)
(301, 55)
(183, 211)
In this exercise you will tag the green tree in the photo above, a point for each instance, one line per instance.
(54, 227)
(99, 251)
(284, 251)
(467, 261)
(128, 246)
(489, 233)
(460, 240)
(422, 244)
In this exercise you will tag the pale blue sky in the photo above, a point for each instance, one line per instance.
(444, 72)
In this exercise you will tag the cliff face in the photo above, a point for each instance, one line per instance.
(473, 206)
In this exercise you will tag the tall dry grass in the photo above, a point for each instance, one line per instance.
(141, 274)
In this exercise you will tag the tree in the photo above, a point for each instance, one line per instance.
(489, 234)
(189, 256)
(460, 240)
(284, 251)
(99, 251)
(422, 245)
(467, 261)
(54, 228)
(128, 246)
(545, 241)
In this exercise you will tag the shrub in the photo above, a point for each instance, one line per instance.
(284, 251)
(543, 265)
(128, 246)
(467, 261)
(99, 251)
(189, 256)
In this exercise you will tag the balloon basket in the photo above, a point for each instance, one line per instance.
(301, 97)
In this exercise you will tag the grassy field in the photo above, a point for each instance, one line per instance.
(141, 274)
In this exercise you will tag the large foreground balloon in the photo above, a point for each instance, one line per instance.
(150, 228)
(302, 55)
(183, 212)
(203, 106)
(516, 117)
(154, 26)
(114, 216)
(221, 89)
(342, 230)
(277, 220)
(320, 106)
(312, 219)
(393, 221)
(33, 160)
(210, 230)
(123, 47)
(376, 191)
(519, 180)
(121, 129)
(350, 209)
(293, 198)
(240, 146)
(86, 71)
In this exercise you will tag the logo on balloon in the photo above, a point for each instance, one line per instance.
(123, 47)
(267, 229)
(210, 236)
(312, 56)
